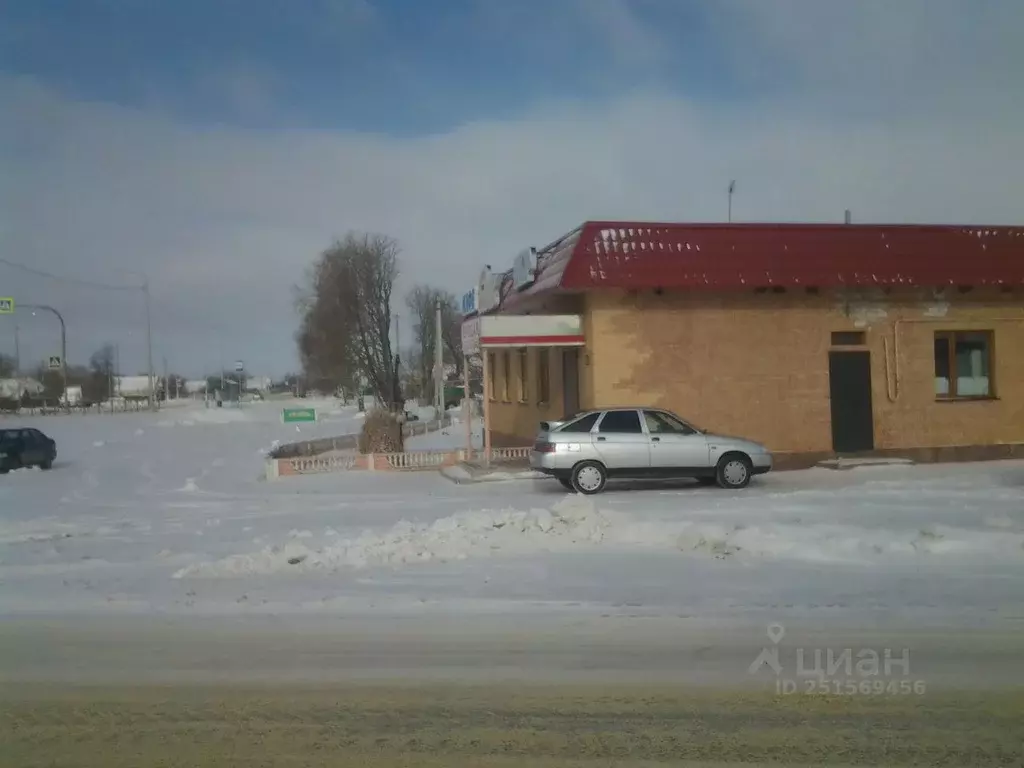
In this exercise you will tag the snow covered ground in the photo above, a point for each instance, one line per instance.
(167, 513)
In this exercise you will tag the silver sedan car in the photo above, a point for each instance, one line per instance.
(585, 450)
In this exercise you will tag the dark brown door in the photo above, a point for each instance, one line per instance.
(853, 428)
(571, 380)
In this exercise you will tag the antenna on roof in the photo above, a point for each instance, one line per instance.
(847, 218)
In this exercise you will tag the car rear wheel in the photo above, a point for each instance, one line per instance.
(566, 483)
(733, 471)
(48, 464)
(589, 477)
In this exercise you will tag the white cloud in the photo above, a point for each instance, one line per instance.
(225, 221)
(930, 56)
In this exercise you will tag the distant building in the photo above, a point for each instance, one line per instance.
(195, 386)
(259, 383)
(130, 387)
(16, 389)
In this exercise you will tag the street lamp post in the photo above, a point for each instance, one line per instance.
(149, 332)
(63, 344)
(149, 341)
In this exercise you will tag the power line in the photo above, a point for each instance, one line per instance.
(72, 280)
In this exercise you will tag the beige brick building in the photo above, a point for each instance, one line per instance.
(813, 339)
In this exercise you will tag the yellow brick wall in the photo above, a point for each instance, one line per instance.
(515, 422)
(757, 365)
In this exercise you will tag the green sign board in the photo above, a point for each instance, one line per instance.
(6, 306)
(298, 415)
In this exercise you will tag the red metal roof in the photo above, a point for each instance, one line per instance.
(551, 263)
(722, 256)
(641, 255)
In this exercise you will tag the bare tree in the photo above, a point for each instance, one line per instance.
(98, 381)
(345, 334)
(422, 302)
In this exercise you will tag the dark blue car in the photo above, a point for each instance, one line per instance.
(25, 448)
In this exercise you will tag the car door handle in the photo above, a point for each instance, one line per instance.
(601, 439)
(655, 439)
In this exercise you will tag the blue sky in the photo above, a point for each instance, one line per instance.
(393, 66)
(220, 145)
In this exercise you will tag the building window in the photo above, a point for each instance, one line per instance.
(506, 379)
(543, 375)
(963, 364)
(492, 371)
(524, 381)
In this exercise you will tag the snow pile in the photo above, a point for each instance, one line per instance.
(571, 524)
(576, 524)
(845, 544)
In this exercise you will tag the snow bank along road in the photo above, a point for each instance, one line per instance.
(165, 514)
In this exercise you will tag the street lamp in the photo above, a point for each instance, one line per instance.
(149, 331)
(63, 343)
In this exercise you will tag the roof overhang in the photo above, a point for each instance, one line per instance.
(504, 331)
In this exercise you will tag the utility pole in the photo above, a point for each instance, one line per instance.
(438, 362)
(167, 385)
(63, 344)
(149, 342)
(17, 351)
(732, 188)
(397, 380)
(398, 336)
(116, 386)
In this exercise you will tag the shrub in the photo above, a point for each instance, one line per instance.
(381, 433)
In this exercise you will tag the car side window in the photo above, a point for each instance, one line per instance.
(621, 422)
(584, 424)
(659, 423)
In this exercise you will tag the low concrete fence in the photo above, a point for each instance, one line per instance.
(384, 462)
(57, 409)
(406, 460)
(510, 454)
(350, 442)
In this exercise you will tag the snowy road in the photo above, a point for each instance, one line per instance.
(166, 512)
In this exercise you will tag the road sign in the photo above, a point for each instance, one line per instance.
(54, 364)
(7, 306)
(239, 366)
(298, 415)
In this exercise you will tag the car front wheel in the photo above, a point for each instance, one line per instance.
(733, 471)
(589, 477)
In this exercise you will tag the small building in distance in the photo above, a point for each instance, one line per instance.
(133, 387)
(16, 389)
(815, 339)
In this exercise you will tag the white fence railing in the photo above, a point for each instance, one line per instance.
(509, 454)
(305, 465)
(420, 459)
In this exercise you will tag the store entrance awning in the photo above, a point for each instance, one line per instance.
(504, 331)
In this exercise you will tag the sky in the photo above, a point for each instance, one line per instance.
(216, 147)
